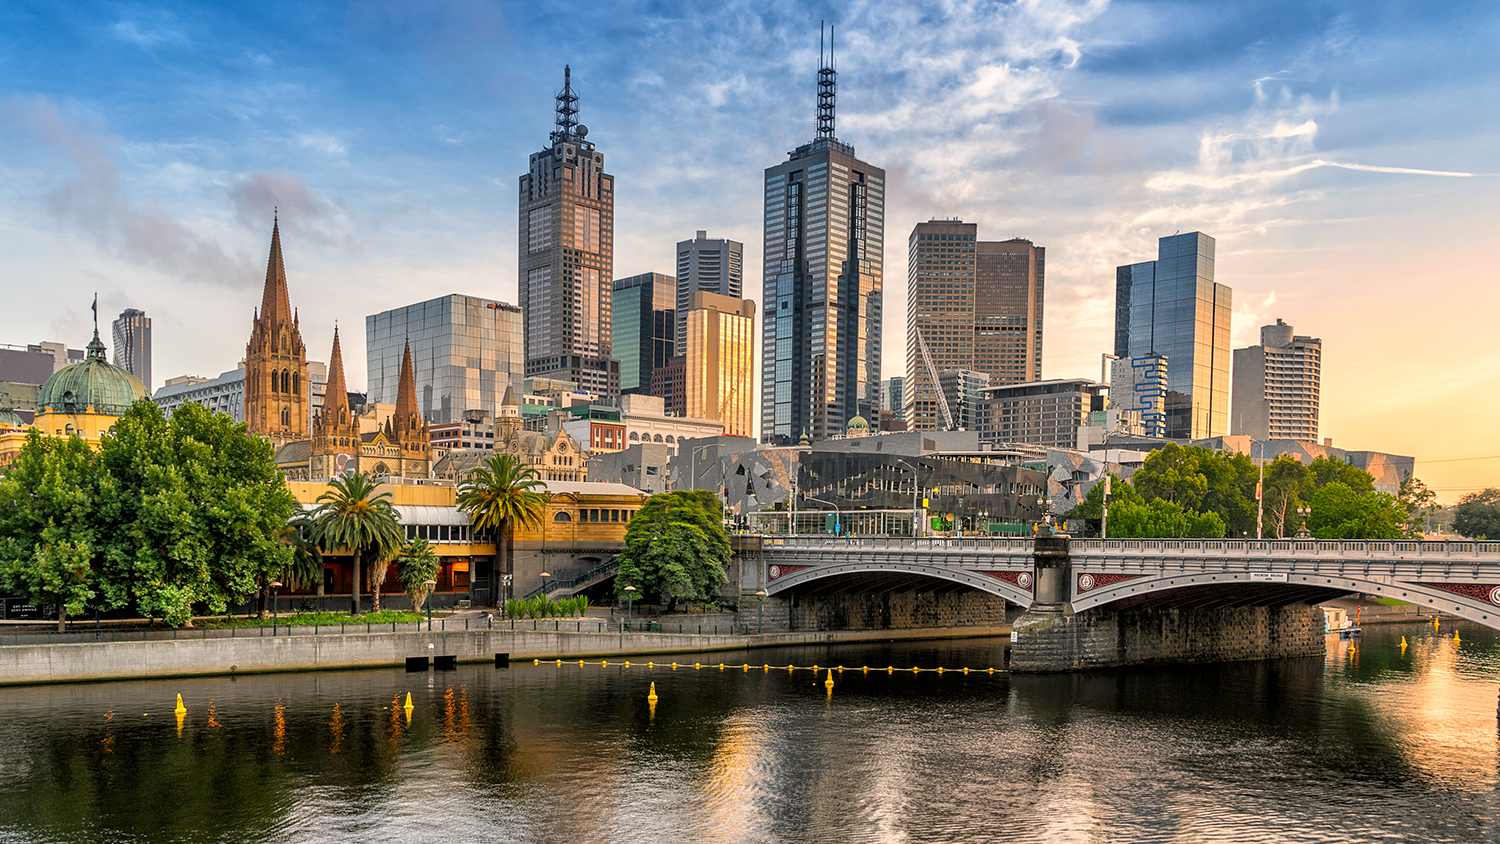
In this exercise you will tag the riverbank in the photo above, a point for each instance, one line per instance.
(34, 664)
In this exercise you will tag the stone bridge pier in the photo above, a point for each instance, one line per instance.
(1051, 637)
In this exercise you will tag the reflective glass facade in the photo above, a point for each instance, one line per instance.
(719, 361)
(1173, 307)
(712, 265)
(644, 327)
(465, 351)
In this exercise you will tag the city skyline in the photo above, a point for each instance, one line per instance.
(1300, 141)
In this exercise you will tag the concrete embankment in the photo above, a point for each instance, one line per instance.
(94, 661)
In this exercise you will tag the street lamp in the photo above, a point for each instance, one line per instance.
(630, 607)
(760, 621)
(1304, 513)
(431, 585)
(275, 585)
(544, 576)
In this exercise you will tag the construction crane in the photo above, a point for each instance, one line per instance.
(937, 387)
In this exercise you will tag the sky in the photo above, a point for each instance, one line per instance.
(1343, 155)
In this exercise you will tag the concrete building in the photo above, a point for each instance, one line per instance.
(567, 229)
(1277, 386)
(964, 390)
(476, 431)
(132, 332)
(977, 306)
(705, 462)
(644, 327)
(823, 274)
(719, 361)
(1040, 413)
(643, 466)
(710, 265)
(1173, 307)
(466, 351)
(225, 394)
(644, 419)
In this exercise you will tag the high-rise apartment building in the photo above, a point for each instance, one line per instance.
(975, 305)
(719, 362)
(133, 344)
(1277, 386)
(465, 351)
(713, 265)
(824, 248)
(566, 246)
(1173, 307)
(644, 332)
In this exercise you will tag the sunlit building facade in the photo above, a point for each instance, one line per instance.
(465, 352)
(719, 361)
(709, 264)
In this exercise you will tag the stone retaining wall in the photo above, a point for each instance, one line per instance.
(895, 611)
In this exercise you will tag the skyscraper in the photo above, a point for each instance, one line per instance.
(133, 344)
(824, 245)
(713, 265)
(1277, 386)
(465, 351)
(720, 357)
(567, 226)
(1173, 307)
(644, 332)
(977, 306)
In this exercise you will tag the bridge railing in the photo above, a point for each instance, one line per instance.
(1349, 548)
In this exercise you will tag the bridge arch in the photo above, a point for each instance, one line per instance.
(1479, 611)
(975, 580)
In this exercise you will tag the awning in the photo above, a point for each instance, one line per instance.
(422, 514)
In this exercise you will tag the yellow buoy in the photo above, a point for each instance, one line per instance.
(890, 669)
(1456, 640)
(865, 669)
(721, 666)
(650, 665)
(940, 669)
(181, 716)
(815, 667)
(559, 662)
(841, 669)
(674, 666)
(1403, 641)
(408, 701)
(180, 708)
(966, 669)
(698, 665)
(992, 669)
(747, 666)
(627, 663)
(580, 663)
(765, 667)
(652, 697)
(536, 662)
(605, 663)
(828, 684)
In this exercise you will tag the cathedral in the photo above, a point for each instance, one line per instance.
(277, 399)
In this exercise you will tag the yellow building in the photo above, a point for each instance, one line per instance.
(719, 361)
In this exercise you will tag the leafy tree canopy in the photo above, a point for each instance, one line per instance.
(1477, 515)
(676, 548)
(1340, 512)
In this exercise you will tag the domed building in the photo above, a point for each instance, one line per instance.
(84, 399)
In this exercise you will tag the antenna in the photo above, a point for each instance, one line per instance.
(827, 86)
(567, 108)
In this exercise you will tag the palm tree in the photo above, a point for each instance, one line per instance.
(418, 565)
(352, 515)
(497, 495)
(306, 568)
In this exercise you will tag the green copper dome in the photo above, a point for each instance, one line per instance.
(8, 412)
(95, 383)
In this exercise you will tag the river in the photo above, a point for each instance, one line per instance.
(1379, 744)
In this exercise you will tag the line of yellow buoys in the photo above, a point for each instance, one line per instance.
(745, 666)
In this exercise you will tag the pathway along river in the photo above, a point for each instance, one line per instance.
(1378, 745)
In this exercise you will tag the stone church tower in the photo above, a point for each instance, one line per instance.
(335, 431)
(276, 391)
(405, 428)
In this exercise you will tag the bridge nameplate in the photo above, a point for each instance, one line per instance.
(1269, 577)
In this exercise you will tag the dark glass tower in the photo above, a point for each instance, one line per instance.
(824, 245)
(1173, 307)
(644, 327)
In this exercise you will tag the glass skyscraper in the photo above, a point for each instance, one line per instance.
(719, 361)
(644, 307)
(133, 344)
(824, 247)
(1173, 307)
(464, 350)
(713, 265)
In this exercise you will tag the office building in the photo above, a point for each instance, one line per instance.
(1173, 307)
(567, 229)
(1277, 386)
(964, 389)
(644, 326)
(465, 350)
(971, 305)
(710, 265)
(719, 360)
(669, 383)
(133, 344)
(823, 270)
(893, 404)
(225, 394)
(1040, 413)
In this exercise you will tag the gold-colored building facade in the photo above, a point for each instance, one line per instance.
(720, 360)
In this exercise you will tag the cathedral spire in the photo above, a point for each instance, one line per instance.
(337, 398)
(406, 396)
(275, 302)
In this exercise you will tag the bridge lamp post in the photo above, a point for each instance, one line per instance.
(760, 620)
(431, 585)
(275, 585)
(630, 607)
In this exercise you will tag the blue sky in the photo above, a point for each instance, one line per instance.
(142, 147)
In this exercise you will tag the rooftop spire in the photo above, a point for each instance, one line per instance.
(337, 397)
(567, 108)
(828, 79)
(406, 392)
(275, 303)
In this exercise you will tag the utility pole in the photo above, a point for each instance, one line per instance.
(1260, 503)
(1104, 523)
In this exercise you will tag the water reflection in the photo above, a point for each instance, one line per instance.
(1379, 744)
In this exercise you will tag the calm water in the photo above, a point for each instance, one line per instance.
(1373, 746)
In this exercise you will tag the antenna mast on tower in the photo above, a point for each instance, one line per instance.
(567, 108)
(828, 79)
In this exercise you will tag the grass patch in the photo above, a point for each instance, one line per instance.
(1392, 602)
(322, 619)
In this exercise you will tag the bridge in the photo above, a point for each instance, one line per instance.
(1455, 578)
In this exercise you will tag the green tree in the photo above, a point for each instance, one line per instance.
(195, 516)
(1420, 504)
(1162, 518)
(1171, 473)
(1340, 512)
(353, 516)
(306, 566)
(417, 564)
(498, 495)
(676, 548)
(1326, 470)
(1201, 480)
(1288, 486)
(1477, 515)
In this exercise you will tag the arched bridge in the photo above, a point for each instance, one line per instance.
(1455, 578)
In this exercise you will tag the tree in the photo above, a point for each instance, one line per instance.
(352, 515)
(1477, 515)
(1288, 486)
(416, 565)
(1171, 473)
(1201, 480)
(1339, 512)
(306, 567)
(1331, 470)
(499, 494)
(676, 548)
(1162, 518)
(1420, 504)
